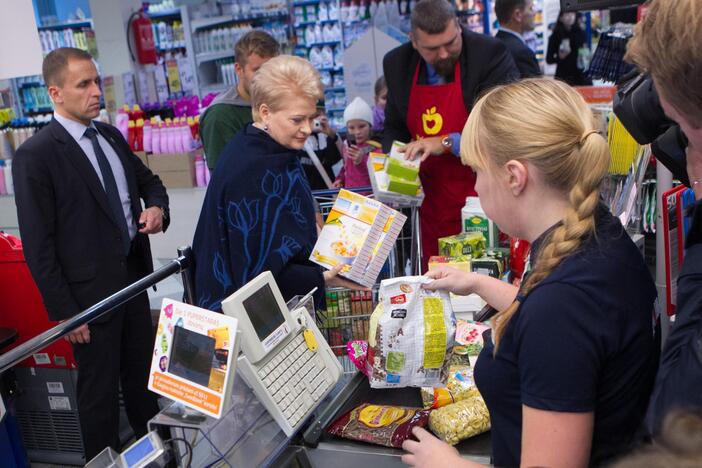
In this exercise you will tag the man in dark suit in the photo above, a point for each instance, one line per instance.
(433, 82)
(517, 17)
(85, 236)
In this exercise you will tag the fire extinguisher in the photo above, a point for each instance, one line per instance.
(140, 24)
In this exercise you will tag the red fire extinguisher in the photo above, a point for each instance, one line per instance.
(140, 24)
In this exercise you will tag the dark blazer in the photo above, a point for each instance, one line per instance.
(70, 241)
(484, 63)
(523, 56)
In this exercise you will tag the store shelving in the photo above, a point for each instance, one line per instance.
(67, 25)
(211, 56)
(205, 23)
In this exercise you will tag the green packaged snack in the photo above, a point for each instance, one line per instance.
(467, 243)
(397, 168)
(403, 186)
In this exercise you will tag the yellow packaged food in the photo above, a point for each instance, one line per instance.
(459, 421)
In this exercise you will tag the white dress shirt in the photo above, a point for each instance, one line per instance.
(77, 131)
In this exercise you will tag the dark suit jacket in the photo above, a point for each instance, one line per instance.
(484, 63)
(71, 243)
(523, 56)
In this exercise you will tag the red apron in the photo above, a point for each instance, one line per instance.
(437, 110)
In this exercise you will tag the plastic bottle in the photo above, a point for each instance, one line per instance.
(185, 136)
(9, 186)
(3, 189)
(156, 139)
(196, 127)
(139, 138)
(208, 174)
(131, 134)
(327, 57)
(323, 12)
(171, 139)
(122, 123)
(200, 176)
(318, 36)
(138, 113)
(147, 137)
(162, 34)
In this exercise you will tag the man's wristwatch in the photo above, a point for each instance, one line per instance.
(447, 143)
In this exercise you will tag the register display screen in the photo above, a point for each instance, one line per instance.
(263, 311)
(191, 357)
(138, 452)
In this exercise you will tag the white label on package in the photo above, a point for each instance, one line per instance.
(59, 403)
(55, 387)
(41, 358)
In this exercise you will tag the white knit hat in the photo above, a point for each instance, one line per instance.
(358, 109)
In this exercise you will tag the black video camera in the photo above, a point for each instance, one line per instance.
(638, 107)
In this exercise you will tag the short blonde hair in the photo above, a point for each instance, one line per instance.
(282, 77)
(548, 124)
(668, 45)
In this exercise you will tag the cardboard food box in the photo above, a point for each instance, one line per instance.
(176, 170)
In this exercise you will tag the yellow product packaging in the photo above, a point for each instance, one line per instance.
(461, 420)
(411, 335)
(459, 263)
(468, 243)
(460, 386)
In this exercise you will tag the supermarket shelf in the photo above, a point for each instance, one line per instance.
(72, 25)
(305, 2)
(319, 44)
(203, 23)
(335, 109)
(169, 49)
(330, 69)
(335, 89)
(303, 24)
(211, 56)
(175, 12)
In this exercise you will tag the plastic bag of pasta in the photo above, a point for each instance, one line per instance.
(379, 424)
(411, 335)
(459, 421)
(460, 386)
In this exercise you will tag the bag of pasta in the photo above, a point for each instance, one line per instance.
(460, 386)
(459, 421)
(411, 335)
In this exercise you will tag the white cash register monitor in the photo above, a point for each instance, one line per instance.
(264, 319)
(285, 359)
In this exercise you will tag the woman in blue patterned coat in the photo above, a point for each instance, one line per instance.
(258, 212)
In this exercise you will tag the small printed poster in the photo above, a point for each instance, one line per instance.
(194, 357)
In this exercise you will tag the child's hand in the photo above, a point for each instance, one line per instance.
(355, 154)
(338, 184)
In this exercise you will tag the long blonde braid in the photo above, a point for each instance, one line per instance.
(548, 124)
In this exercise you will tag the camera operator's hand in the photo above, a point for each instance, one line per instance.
(325, 127)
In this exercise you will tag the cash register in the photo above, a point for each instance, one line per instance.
(285, 359)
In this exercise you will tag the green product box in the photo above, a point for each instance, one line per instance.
(467, 243)
(403, 186)
(399, 169)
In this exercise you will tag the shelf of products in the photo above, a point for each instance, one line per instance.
(204, 23)
(68, 25)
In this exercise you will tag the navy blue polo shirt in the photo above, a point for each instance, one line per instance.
(582, 341)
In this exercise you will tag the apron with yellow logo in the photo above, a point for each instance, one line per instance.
(437, 110)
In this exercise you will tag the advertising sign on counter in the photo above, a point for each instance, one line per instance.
(194, 357)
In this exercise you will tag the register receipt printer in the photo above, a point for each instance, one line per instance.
(285, 359)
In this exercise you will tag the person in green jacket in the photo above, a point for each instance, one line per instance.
(231, 111)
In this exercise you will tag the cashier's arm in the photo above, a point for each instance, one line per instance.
(498, 294)
(548, 439)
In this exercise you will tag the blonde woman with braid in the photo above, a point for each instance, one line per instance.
(569, 367)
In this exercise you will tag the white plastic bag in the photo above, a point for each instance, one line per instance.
(411, 335)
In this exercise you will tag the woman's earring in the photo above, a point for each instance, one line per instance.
(265, 127)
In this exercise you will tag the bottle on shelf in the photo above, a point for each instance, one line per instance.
(9, 185)
(3, 189)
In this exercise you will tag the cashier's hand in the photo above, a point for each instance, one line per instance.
(422, 149)
(430, 452)
(152, 218)
(333, 280)
(450, 279)
(80, 335)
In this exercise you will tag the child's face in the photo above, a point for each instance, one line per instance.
(382, 98)
(359, 129)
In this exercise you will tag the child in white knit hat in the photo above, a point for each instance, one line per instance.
(358, 117)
